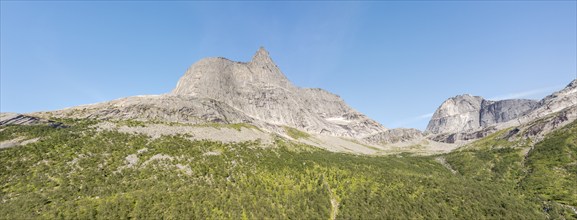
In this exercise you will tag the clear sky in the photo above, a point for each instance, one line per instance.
(395, 61)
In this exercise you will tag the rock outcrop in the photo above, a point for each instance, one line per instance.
(459, 113)
(224, 91)
(164, 108)
(261, 91)
(494, 112)
(218, 90)
(19, 119)
(470, 113)
(468, 117)
(556, 102)
(463, 136)
(393, 136)
(537, 129)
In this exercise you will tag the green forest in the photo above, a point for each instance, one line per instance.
(79, 172)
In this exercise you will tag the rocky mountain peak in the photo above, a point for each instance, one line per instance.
(218, 77)
(459, 104)
(261, 91)
(265, 70)
(570, 89)
(468, 116)
(465, 113)
(573, 84)
(464, 96)
(261, 56)
(456, 114)
(558, 100)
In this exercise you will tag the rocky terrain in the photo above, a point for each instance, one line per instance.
(221, 91)
(466, 117)
(261, 91)
(217, 91)
(394, 136)
(19, 119)
(470, 113)
(236, 140)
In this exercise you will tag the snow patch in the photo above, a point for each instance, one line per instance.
(338, 120)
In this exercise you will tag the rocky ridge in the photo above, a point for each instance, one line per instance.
(19, 119)
(261, 91)
(221, 91)
(470, 113)
(218, 90)
(393, 136)
(467, 117)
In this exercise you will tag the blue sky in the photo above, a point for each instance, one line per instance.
(395, 61)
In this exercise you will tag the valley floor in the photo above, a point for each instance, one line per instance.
(79, 171)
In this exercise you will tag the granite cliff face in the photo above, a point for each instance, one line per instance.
(555, 102)
(494, 112)
(18, 119)
(223, 91)
(164, 108)
(218, 90)
(469, 113)
(393, 136)
(261, 91)
(459, 113)
(468, 117)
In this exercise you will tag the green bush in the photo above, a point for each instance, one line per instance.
(295, 133)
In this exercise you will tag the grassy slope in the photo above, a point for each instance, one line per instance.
(546, 171)
(552, 167)
(76, 172)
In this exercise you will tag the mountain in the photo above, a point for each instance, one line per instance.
(236, 140)
(467, 117)
(218, 90)
(261, 91)
(256, 94)
(19, 119)
(469, 113)
(555, 102)
(84, 171)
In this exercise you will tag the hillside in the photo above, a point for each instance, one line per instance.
(236, 140)
(218, 90)
(256, 93)
(79, 170)
(466, 117)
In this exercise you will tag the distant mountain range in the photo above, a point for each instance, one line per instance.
(467, 117)
(237, 140)
(257, 93)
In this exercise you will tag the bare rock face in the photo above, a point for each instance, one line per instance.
(261, 91)
(165, 108)
(393, 136)
(552, 112)
(19, 119)
(463, 136)
(460, 113)
(471, 117)
(537, 129)
(224, 91)
(467, 113)
(555, 102)
(494, 112)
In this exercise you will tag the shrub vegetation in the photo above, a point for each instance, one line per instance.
(77, 172)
